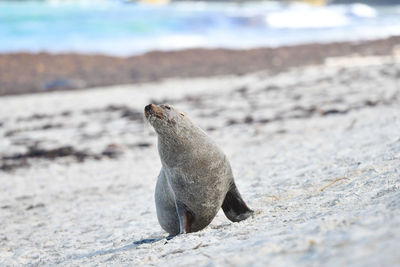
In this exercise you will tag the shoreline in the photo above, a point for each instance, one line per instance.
(24, 73)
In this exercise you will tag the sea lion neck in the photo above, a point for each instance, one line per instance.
(178, 145)
(181, 132)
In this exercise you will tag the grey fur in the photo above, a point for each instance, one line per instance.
(195, 176)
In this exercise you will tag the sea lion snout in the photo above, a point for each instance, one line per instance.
(148, 107)
(154, 110)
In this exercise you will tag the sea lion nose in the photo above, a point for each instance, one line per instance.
(148, 107)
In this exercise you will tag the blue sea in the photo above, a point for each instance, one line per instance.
(128, 28)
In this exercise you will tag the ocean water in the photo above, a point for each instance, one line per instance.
(127, 28)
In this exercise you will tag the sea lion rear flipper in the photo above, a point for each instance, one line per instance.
(234, 206)
(185, 218)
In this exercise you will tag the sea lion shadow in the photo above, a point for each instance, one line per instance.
(129, 246)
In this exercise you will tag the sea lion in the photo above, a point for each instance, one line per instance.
(196, 179)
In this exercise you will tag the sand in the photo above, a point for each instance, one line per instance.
(314, 150)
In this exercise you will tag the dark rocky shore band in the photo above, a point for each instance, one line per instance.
(22, 73)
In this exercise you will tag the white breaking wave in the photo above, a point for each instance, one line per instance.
(362, 10)
(300, 17)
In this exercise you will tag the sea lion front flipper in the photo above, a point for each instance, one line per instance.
(185, 218)
(234, 206)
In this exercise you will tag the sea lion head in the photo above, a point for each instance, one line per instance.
(165, 119)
